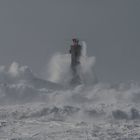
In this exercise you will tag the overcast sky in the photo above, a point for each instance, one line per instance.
(33, 30)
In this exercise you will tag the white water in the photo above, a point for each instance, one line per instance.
(34, 109)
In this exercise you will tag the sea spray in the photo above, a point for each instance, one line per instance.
(59, 70)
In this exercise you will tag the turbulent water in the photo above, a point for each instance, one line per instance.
(36, 109)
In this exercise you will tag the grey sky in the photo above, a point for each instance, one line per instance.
(32, 30)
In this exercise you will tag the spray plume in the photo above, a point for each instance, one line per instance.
(59, 68)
